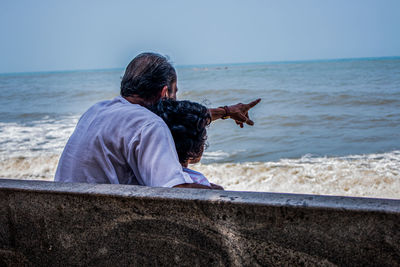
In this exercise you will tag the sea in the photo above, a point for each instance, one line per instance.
(327, 127)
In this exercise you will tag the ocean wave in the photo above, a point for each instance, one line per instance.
(215, 155)
(371, 175)
(29, 168)
(47, 135)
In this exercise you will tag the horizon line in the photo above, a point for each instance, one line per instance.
(206, 64)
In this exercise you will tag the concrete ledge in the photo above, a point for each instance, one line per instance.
(44, 223)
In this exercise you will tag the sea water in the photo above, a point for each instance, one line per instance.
(323, 127)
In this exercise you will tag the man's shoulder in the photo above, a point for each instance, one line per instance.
(109, 105)
(123, 108)
(126, 115)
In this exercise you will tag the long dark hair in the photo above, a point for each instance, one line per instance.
(187, 122)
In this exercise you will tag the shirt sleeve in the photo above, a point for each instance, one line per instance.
(154, 154)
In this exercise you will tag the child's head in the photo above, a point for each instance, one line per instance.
(187, 122)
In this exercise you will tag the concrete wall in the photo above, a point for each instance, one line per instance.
(44, 223)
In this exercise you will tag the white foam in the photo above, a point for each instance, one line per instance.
(373, 175)
(215, 155)
(44, 136)
(29, 168)
(219, 154)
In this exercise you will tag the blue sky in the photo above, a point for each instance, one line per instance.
(48, 35)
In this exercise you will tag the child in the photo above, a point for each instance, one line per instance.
(187, 122)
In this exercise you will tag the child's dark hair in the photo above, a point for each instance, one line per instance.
(187, 122)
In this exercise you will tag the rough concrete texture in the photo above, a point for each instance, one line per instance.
(52, 224)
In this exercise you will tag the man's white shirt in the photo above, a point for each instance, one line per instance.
(121, 143)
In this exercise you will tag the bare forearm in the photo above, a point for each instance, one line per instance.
(238, 113)
(216, 113)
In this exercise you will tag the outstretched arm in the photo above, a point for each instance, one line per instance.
(239, 112)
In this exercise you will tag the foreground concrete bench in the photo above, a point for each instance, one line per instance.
(44, 223)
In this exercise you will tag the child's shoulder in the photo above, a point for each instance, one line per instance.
(191, 171)
(197, 177)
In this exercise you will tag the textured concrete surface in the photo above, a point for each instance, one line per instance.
(51, 224)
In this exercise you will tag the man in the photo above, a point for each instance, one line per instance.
(121, 142)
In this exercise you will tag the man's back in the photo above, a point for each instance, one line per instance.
(120, 143)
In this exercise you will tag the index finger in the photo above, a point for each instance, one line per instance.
(253, 103)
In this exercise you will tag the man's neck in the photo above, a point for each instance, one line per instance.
(138, 100)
